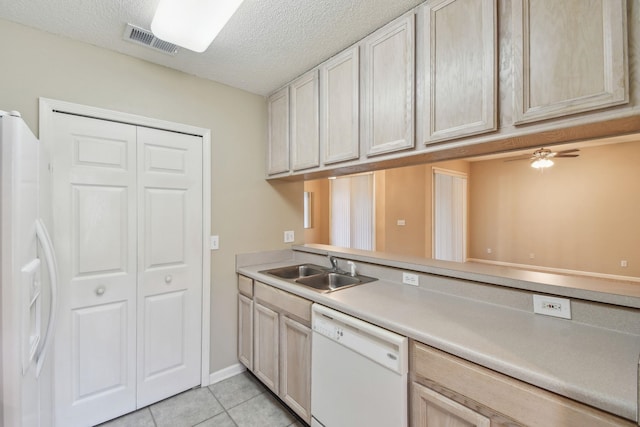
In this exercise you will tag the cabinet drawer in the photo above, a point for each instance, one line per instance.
(284, 301)
(520, 401)
(245, 286)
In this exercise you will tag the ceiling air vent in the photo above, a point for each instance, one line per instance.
(146, 38)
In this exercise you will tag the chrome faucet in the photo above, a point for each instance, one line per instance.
(334, 263)
(352, 268)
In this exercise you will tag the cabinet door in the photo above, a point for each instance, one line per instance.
(170, 226)
(245, 331)
(305, 131)
(278, 150)
(295, 373)
(432, 409)
(569, 56)
(388, 82)
(460, 68)
(265, 345)
(94, 215)
(340, 106)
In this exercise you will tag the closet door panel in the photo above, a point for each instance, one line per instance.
(94, 217)
(169, 263)
(162, 355)
(101, 354)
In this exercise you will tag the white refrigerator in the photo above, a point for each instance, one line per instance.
(28, 279)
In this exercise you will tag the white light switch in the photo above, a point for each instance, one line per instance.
(214, 243)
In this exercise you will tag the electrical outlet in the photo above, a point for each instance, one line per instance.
(214, 243)
(401, 222)
(624, 263)
(289, 236)
(410, 279)
(552, 306)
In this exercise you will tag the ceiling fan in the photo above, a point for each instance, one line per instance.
(541, 158)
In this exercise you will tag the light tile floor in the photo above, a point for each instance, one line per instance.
(239, 401)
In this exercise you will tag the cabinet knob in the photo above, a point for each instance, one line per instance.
(168, 279)
(100, 291)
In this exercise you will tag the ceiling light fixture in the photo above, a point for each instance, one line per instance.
(192, 24)
(542, 163)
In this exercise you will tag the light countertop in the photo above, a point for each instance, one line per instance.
(590, 364)
(623, 291)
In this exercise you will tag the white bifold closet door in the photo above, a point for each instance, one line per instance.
(128, 231)
(169, 263)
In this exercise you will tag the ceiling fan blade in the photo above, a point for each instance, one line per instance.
(567, 155)
(515, 159)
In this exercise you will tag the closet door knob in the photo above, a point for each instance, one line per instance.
(168, 279)
(100, 291)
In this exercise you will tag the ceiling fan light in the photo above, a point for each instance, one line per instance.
(542, 163)
(192, 24)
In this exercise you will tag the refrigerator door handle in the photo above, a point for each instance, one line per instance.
(52, 266)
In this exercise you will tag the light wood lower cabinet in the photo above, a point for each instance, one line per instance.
(433, 409)
(266, 358)
(276, 346)
(245, 331)
(245, 321)
(295, 366)
(445, 387)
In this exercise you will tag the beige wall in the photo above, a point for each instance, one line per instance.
(580, 214)
(407, 193)
(402, 195)
(248, 213)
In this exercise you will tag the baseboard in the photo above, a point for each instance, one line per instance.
(228, 372)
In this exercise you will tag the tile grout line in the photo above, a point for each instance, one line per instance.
(148, 408)
(224, 410)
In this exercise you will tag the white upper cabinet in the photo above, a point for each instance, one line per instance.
(460, 76)
(388, 87)
(569, 56)
(305, 134)
(278, 152)
(340, 113)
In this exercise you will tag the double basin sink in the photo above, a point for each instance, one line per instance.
(318, 278)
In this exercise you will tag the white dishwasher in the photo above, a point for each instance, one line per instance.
(358, 372)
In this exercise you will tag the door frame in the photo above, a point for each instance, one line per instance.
(47, 107)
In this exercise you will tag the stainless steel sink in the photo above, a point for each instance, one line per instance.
(329, 281)
(319, 278)
(294, 272)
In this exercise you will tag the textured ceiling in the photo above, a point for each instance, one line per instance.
(266, 44)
